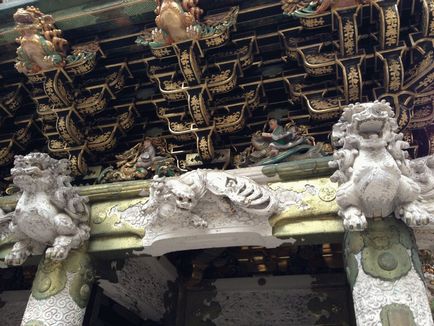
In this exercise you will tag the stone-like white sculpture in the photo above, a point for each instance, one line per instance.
(373, 173)
(422, 171)
(203, 209)
(379, 187)
(49, 210)
(230, 195)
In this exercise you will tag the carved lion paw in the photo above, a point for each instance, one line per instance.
(199, 222)
(17, 257)
(57, 253)
(353, 219)
(413, 215)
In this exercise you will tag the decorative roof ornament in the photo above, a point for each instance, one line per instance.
(41, 44)
(374, 174)
(43, 48)
(179, 21)
(49, 211)
(140, 161)
(280, 144)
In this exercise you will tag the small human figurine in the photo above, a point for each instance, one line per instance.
(280, 144)
(147, 156)
(306, 8)
(278, 136)
(137, 163)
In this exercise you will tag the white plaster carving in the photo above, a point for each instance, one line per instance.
(371, 294)
(57, 310)
(141, 286)
(204, 209)
(373, 170)
(49, 211)
(423, 173)
(376, 180)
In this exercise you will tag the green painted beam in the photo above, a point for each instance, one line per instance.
(297, 170)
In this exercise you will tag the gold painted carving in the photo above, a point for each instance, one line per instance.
(423, 66)
(312, 22)
(205, 148)
(349, 38)
(431, 20)
(320, 58)
(353, 84)
(185, 60)
(161, 52)
(392, 26)
(319, 71)
(198, 110)
(395, 75)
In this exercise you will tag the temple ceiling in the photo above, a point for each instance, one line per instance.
(201, 89)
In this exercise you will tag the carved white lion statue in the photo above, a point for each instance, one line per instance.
(179, 197)
(374, 174)
(49, 212)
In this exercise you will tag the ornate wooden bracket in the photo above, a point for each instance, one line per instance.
(428, 17)
(352, 78)
(393, 68)
(389, 23)
(348, 31)
(202, 81)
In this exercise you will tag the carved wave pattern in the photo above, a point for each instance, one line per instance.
(57, 310)
(371, 294)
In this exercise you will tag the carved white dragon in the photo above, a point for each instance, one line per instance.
(179, 197)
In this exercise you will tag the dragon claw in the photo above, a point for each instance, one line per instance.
(17, 257)
(57, 253)
(354, 219)
(413, 215)
(199, 222)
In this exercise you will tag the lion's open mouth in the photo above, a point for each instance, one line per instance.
(371, 128)
(184, 208)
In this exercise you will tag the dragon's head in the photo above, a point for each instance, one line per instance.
(366, 125)
(38, 172)
(184, 195)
